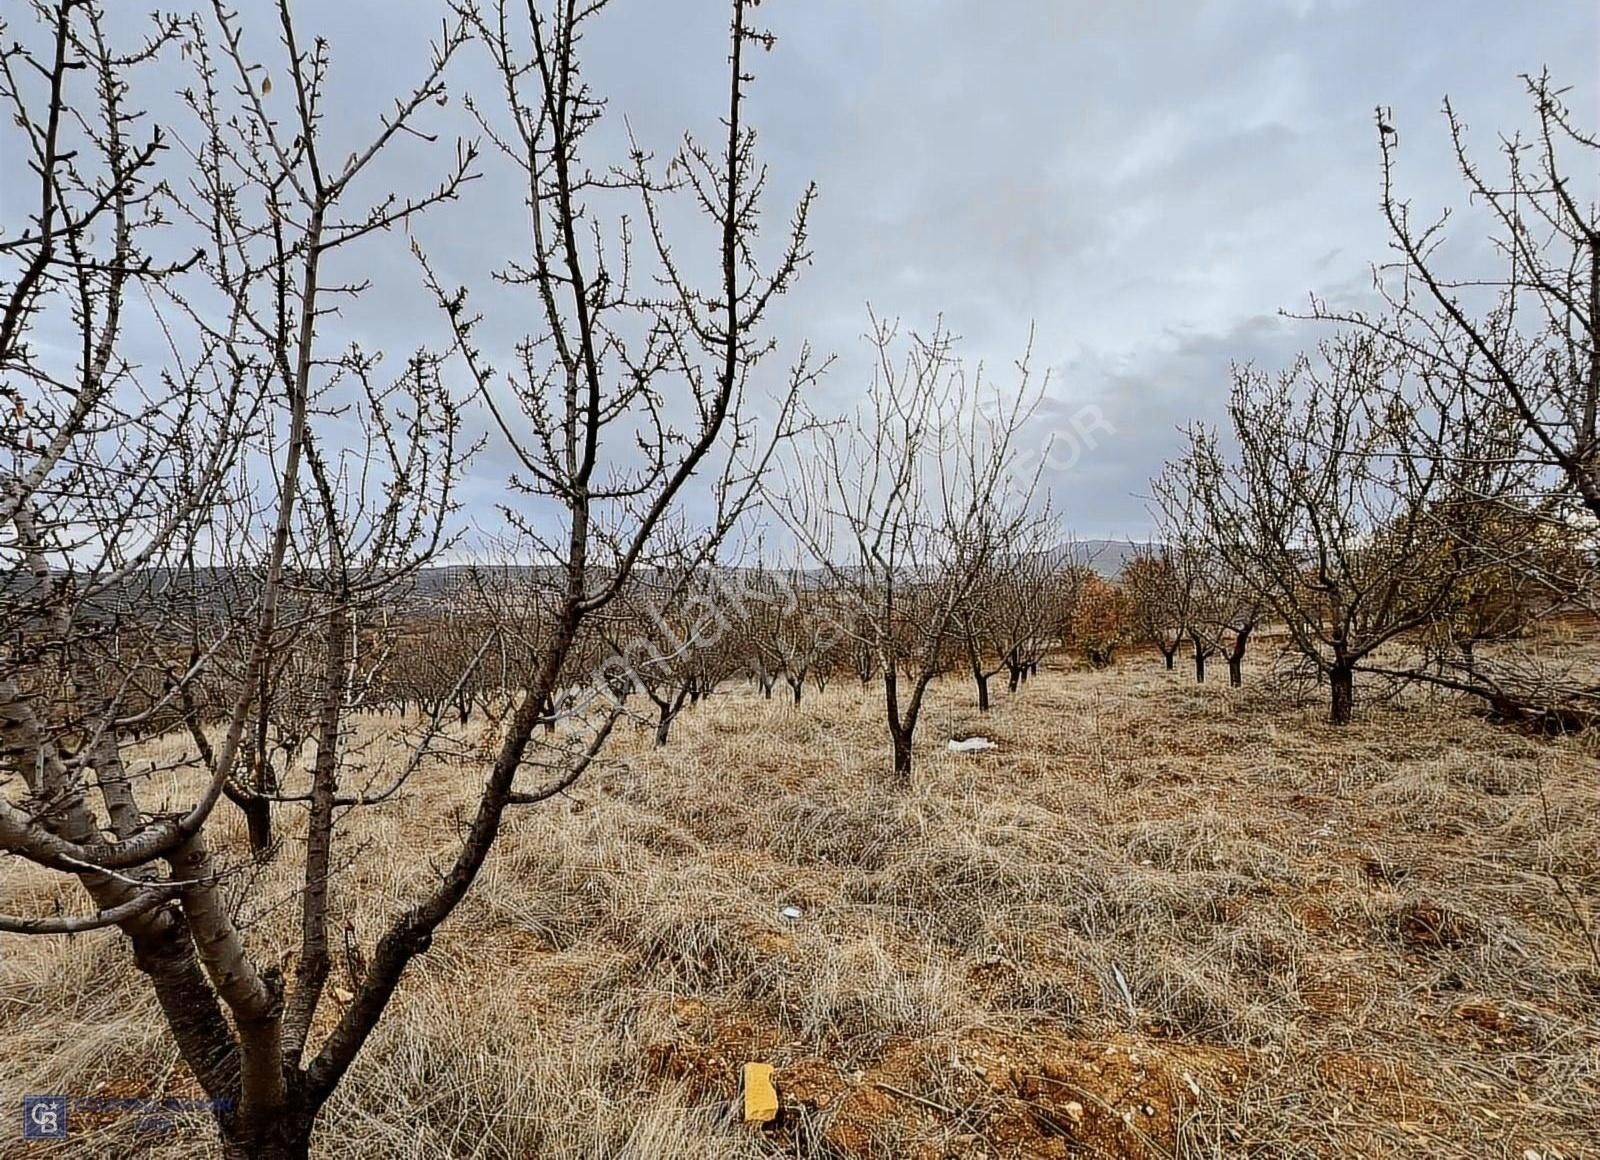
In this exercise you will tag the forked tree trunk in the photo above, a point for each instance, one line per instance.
(668, 713)
(1236, 657)
(1169, 654)
(900, 727)
(286, 1139)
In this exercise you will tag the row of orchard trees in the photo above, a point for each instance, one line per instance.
(1379, 516)
(922, 551)
(217, 507)
(676, 634)
(212, 494)
(213, 499)
(1428, 479)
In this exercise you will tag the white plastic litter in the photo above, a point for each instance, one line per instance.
(792, 913)
(971, 745)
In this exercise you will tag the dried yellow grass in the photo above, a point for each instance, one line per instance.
(1140, 863)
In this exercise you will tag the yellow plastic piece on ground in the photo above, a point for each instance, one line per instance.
(760, 1097)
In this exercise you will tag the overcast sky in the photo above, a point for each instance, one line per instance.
(1147, 182)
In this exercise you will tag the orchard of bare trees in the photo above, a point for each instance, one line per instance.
(247, 531)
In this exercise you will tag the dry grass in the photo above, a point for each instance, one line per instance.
(1157, 921)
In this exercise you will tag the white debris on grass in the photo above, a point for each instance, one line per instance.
(971, 745)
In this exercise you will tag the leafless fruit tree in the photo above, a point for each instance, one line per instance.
(131, 509)
(173, 532)
(1159, 583)
(1339, 506)
(1221, 606)
(1004, 624)
(1525, 339)
(907, 503)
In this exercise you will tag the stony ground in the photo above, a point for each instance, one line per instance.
(1156, 921)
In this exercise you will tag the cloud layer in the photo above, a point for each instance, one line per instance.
(1147, 182)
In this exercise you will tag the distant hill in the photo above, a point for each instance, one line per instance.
(437, 583)
(1105, 556)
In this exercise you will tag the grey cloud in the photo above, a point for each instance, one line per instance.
(1149, 181)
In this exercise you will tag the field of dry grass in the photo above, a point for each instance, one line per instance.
(1158, 920)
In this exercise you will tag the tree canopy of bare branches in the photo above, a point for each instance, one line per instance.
(192, 542)
(908, 502)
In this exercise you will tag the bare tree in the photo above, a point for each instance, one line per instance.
(1523, 568)
(793, 633)
(1236, 608)
(1521, 333)
(1159, 588)
(177, 496)
(676, 638)
(919, 486)
(1524, 338)
(125, 493)
(1334, 505)
(1219, 605)
(1004, 624)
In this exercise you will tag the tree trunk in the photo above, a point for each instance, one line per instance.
(902, 755)
(797, 686)
(163, 951)
(263, 781)
(1015, 678)
(286, 1139)
(1342, 678)
(1236, 657)
(982, 680)
(899, 729)
(1168, 654)
(1199, 665)
(258, 824)
(663, 725)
